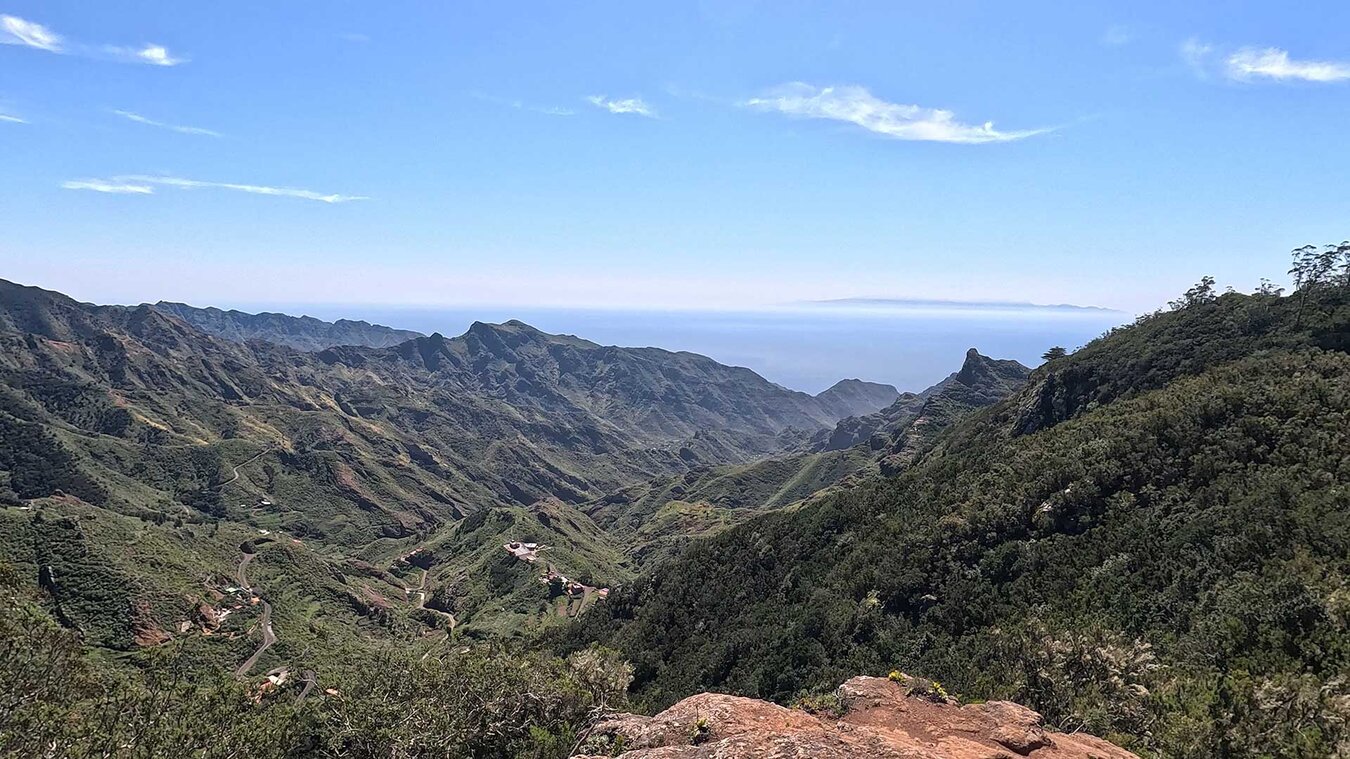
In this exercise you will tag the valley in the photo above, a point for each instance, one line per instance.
(262, 509)
(702, 380)
(371, 473)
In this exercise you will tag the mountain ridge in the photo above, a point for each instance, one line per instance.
(300, 332)
(366, 450)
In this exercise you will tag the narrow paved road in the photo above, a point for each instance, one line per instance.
(269, 636)
(422, 601)
(310, 679)
(235, 469)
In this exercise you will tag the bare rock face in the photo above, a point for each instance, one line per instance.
(881, 718)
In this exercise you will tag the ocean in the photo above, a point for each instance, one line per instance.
(805, 349)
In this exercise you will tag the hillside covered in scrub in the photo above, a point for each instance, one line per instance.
(1149, 541)
(209, 544)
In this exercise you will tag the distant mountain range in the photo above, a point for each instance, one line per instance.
(300, 332)
(454, 444)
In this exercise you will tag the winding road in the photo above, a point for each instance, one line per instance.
(250, 460)
(310, 679)
(269, 636)
(422, 601)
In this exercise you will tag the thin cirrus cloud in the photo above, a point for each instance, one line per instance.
(1273, 63)
(109, 186)
(634, 106)
(137, 184)
(139, 119)
(1249, 64)
(856, 105)
(12, 119)
(18, 31)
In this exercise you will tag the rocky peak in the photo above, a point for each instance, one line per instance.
(503, 340)
(981, 371)
(974, 368)
(899, 717)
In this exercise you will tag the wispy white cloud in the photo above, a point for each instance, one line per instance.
(17, 31)
(856, 105)
(139, 119)
(150, 55)
(1249, 64)
(634, 106)
(1273, 63)
(11, 119)
(155, 55)
(114, 187)
(144, 185)
(1117, 36)
(521, 105)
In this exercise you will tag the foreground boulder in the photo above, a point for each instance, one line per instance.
(891, 718)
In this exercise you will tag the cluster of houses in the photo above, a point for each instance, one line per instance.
(524, 551)
(529, 552)
(571, 587)
(227, 600)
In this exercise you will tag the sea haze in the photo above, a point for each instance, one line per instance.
(804, 347)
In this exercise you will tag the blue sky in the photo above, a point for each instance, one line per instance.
(702, 155)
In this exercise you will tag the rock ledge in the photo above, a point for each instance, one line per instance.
(886, 718)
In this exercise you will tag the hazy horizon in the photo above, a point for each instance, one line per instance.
(799, 349)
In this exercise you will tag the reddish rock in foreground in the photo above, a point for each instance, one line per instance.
(881, 719)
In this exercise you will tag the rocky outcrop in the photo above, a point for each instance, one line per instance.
(982, 381)
(882, 718)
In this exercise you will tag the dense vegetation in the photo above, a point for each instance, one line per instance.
(383, 702)
(1151, 542)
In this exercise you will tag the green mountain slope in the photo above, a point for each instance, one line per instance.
(126, 420)
(654, 520)
(1149, 541)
